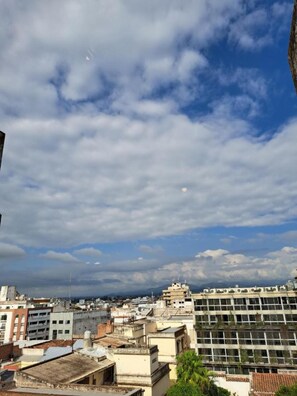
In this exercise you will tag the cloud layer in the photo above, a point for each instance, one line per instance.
(129, 121)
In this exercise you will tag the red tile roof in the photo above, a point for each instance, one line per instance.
(53, 343)
(267, 384)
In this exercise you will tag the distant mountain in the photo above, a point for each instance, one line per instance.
(157, 291)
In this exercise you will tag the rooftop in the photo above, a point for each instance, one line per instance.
(267, 384)
(66, 369)
(111, 342)
(93, 391)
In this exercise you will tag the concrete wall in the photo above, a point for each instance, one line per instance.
(238, 385)
(132, 365)
(6, 351)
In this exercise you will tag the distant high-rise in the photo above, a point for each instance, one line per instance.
(292, 53)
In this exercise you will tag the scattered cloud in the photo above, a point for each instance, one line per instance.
(64, 257)
(250, 31)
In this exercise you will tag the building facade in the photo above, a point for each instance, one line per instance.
(139, 367)
(176, 294)
(68, 324)
(241, 330)
(171, 342)
(19, 322)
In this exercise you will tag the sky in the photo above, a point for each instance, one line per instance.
(146, 142)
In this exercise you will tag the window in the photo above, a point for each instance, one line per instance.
(54, 322)
(67, 331)
(60, 321)
(60, 331)
(67, 321)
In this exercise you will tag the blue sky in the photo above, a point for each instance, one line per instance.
(146, 142)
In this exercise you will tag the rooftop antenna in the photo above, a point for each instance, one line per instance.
(70, 287)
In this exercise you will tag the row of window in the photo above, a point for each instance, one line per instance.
(60, 321)
(241, 318)
(246, 301)
(61, 332)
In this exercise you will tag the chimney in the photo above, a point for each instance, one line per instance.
(87, 339)
(109, 327)
(101, 329)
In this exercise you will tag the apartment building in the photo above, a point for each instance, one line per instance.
(20, 322)
(242, 330)
(176, 295)
(68, 324)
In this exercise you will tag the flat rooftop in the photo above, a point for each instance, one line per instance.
(94, 391)
(66, 369)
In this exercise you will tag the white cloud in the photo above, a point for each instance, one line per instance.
(249, 80)
(64, 257)
(250, 31)
(8, 250)
(91, 179)
(212, 253)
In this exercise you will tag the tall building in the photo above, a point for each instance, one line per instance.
(8, 293)
(176, 294)
(241, 330)
(292, 52)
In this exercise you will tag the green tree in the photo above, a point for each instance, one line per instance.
(181, 389)
(287, 391)
(193, 379)
(190, 370)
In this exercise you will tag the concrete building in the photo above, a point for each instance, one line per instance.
(8, 293)
(129, 367)
(140, 367)
(176, 295)
(38, 323)
(241, 330)
(68, 369)
(171, 342)
(68, 324)
(20, 322)
(292, 52)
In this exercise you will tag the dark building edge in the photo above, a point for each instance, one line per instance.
(292, 51)
(2, 139)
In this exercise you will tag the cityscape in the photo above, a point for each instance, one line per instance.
(148, 240)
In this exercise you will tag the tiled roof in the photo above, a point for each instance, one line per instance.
(53, 343)
(267, 384)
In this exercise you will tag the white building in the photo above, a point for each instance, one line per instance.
(8, 293)
(176, 294)
(240, 330)
(68, 324)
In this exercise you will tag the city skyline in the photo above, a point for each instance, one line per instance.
(146, 142)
